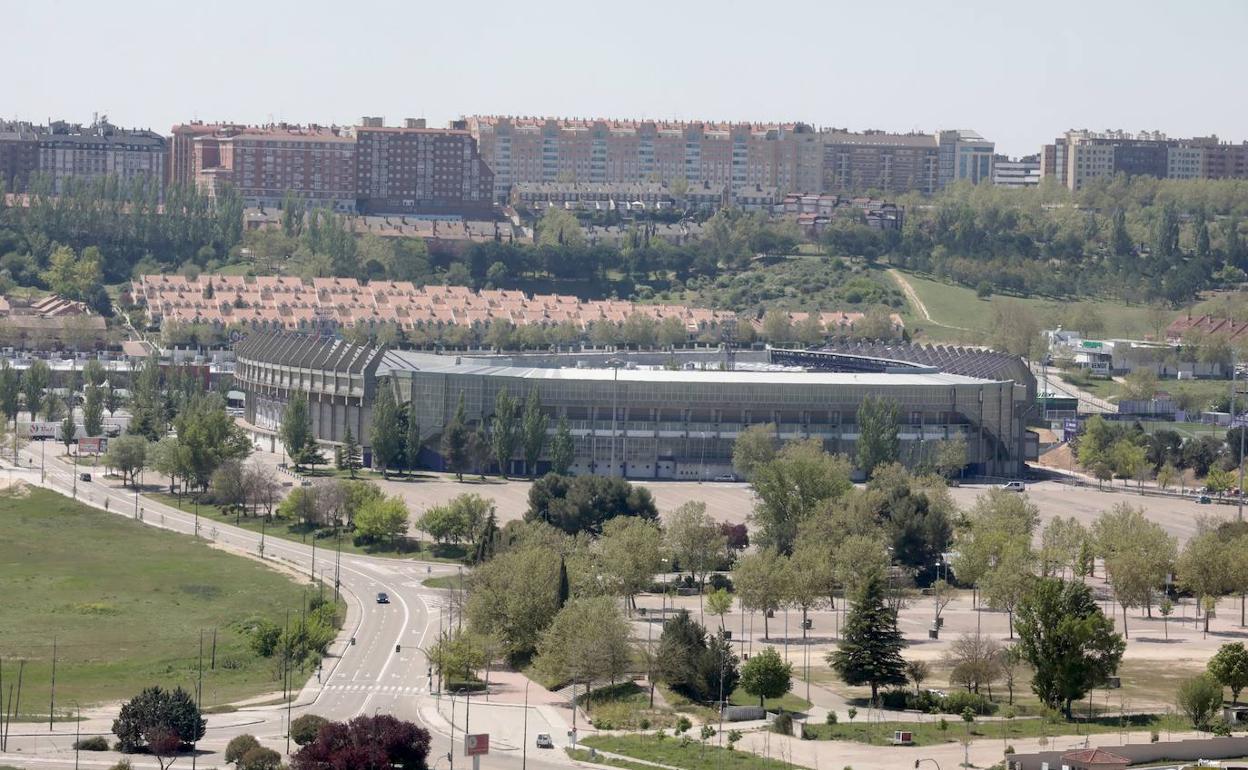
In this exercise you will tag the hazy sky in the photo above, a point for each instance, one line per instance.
(1018, 72)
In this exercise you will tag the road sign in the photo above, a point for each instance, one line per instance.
(476, 745)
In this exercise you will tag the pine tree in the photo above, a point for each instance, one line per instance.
(870, 648)
(533, 431)
(1120, 241)
(455, 441)
(565, 590)
(562, 449)
(351, 460)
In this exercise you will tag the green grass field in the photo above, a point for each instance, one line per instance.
(788, 701)
(297, 532)
(126, 604)
(957, 306)
(676, 752)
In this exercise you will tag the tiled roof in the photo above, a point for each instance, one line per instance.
(1093, 757)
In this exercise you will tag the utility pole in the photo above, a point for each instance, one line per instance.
(338, 566)
(524, 741)
(77, 733)
(52, 702)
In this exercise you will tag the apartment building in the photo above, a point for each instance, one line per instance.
(1020, 173)
(1078, 157)
(72, 151)
(19, 155)
(315, 163)
(419, 170)
(789, 157)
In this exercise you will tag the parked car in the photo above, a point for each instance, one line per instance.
(1014, 486)
(544, 741)
(84, 476)
(383, 598)
(725, 477)
(1204, 500)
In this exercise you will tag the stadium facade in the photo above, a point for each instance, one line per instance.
(658, 415)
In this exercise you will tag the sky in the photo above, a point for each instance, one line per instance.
(1020, 73)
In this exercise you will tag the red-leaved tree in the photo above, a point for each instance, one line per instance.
(380, 741)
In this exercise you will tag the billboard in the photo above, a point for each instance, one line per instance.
(476, 745)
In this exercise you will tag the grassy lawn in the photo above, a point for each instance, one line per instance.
(449, 582)
(693, 755)
(788, 701)
(955, 305)
(296, 531)
(626, 706)
(126, 604)
(929, 732)
(582, 755)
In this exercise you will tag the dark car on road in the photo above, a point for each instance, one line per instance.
(383, 598)
(84, 476)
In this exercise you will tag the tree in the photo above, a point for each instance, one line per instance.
(585, 503)
(587, 641)
(878, 442)
(1138, 555)
(974, 661)
(917, 671)
(755, 446)
(533, 431)
(950, 457)
(238, 746)
(1200, 699)
(93, 412)
(383, 519)
(631, 553)
(387, 430)
(128, 454)
(766, 675)
(1229, 666)
(261, 758)
(562, 449)
(455, 441)
(801, 479)
(34, 382)
(514, 596)
(1120, 241)
(1205, 568)
(762, 582)
(351, 460)
(504, 430)
(68, 430)
(411, 443)
(296, 428)
(73, 276)
(1068, 642)
(366, 741)
(158, 713)
(227, 485)
(693, 540)
(870, 648)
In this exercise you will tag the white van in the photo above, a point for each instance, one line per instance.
(1014, 486)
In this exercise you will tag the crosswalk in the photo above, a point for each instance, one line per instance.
(373, 688)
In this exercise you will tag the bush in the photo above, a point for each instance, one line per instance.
(260, 758)
(238, 746)
(456, 686)
(122, 764)
(957, 702)
(783, 723)
(718, 581)
(683, 724)
(1154, 736)
(1009, 749)
(94, 743)
(830, 718)
(304, 729)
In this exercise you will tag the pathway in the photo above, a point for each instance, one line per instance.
(912, 297)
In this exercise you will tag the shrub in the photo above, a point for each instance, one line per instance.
(1009, 749)
(643, 724)
(260, 758)
(1219, 727)
(942, 725)
(957, 702)
(683, 724)
(1154, 736)
(463, 686)
(718, 581)
(304, 729)
(783, 723)
(238, 746)
(94, 743)
(830, 718)
(122, 764)
(733, 737)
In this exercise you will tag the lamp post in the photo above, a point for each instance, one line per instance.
(77, 732)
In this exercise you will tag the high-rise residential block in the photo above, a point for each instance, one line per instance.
(1078, 157)
(419, 170)
(74, 152)
(791, 157)
(19, 155)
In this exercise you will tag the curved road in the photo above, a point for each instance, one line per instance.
(365, 678)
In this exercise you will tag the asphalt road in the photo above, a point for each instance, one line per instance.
(365, 678)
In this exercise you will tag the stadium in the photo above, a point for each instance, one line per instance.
(657, 415)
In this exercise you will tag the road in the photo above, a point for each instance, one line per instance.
(384, 671)
(1088, 403)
